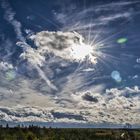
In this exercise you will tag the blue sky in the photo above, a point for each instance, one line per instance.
(59, 60)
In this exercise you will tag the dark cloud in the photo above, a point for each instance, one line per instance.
(90, 98)
(60, 115)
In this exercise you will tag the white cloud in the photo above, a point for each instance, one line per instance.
(110, 107)
(35, 60)
(67, 45)
(4, 66)
(113, 102)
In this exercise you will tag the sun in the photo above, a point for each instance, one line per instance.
(83, 51)
(67, 45)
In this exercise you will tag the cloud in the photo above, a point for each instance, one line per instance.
(4, 66)
(60, 115)
(53, 46)
(7, 50)
(35, 60)
(9, 15)
(112, 103)
(118, 4)
(30, 55)
(95, 18)
(27, 114)
(67, 45)
(89, 98)
(126, 91)
(87, 106)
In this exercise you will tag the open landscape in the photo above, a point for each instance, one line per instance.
(37, 133)
(69, 69)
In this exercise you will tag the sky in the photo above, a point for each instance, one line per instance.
(70, 62)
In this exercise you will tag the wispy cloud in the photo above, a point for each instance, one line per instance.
(96, 17)
(9, 15)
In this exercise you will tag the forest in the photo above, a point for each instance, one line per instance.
(38, 133)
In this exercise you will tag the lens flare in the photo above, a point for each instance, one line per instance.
(10, 75)
(122, 40)
(116, 76)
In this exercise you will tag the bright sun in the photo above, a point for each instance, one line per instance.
(82, 51)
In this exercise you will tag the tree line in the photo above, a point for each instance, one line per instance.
(21, 132)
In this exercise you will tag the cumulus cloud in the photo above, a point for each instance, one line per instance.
(114, 103)
(31, 54)
(27, 114)
(89, 106)
(35, 60)
(67, 45)
(89, 98)
(126, 92)
(4, 66)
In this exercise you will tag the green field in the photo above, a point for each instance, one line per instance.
(36, 133)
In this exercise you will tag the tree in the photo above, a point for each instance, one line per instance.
(7, 126)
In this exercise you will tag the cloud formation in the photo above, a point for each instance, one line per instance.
(4, 66)
(67, 45)
(112, 106)
(95, 19)
(51, 82)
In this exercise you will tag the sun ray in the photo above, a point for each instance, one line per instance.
(43, 17)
